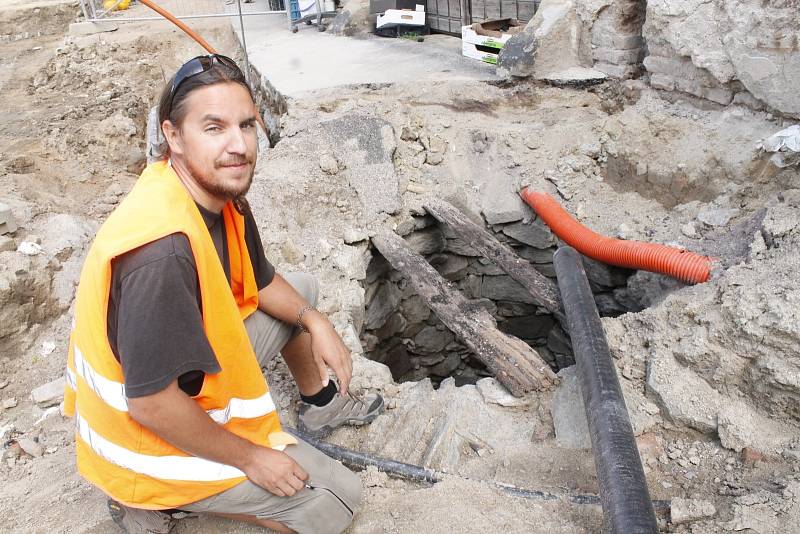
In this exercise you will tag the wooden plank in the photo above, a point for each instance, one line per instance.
(539, 286)
(466, 19)
(525, 11)
(492, 9)
(455, 9)
(515, 364)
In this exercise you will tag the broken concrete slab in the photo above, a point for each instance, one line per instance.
(49, 394)
(575, 77)
(91, 28)
(741, 426)
(364, 146)
(684, 396)
(689, 510)
(7, 223)
(569, 413)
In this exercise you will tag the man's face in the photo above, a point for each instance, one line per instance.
(217, 140)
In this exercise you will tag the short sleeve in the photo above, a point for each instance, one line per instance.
(159, 330)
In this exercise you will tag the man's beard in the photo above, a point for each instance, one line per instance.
(218, 188)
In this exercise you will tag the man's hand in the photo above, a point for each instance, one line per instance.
(275, 471)
(329, 350)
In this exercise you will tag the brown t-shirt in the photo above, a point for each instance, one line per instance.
(155, 325)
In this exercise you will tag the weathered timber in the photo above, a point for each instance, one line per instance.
(515, 364)
(539, 286)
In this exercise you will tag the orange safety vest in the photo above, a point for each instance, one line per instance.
(115, 453)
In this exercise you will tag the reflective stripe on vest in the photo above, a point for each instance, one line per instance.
(113, 394)
(190, 468)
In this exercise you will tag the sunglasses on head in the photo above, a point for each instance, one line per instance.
(198, 65)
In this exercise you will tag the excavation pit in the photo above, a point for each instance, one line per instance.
(401, 331)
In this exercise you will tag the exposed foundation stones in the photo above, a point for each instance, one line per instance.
(400, 330)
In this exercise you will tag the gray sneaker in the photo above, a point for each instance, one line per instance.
(138, 521)
(344, 409)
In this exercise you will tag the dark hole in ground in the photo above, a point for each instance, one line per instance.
(403, 333)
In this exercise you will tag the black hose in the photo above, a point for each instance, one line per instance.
(362, 461)
(627, 508)
(422, 474)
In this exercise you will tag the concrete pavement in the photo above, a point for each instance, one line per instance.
(296, 63)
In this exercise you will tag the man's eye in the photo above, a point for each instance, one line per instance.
(248, 125)
(213, 128)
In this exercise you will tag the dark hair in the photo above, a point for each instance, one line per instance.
(172, 107)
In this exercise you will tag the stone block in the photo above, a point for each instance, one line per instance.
(503, 205)
(430, 340)
(383, 304)
(617, 71)
(662, 81)
(449, 266)
(742, 427)
(620, 41)
(618, 57)
(49, 394)
(351, 262)
(535, 234)
(447, 366)
(394, 325)
(505, 288)
(7, 223)
(684, 396)
(605, 275)
(689, 510)
(457, 246)
(415, 309)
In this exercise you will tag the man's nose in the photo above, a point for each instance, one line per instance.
(237, 143)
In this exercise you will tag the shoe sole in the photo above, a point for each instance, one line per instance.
(325, 430)
(117, 513)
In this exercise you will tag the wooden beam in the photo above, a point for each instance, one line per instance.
(541, 288)
(515, 364)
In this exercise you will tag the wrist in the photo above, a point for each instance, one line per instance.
(313, 320)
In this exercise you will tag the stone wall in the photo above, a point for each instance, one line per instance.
(401, 331)
(616, 35)
(744, 51)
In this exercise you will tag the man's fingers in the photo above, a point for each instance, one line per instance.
(296, 483)
(286, 488)
(300, 473)
(323, 371)
(276, 490)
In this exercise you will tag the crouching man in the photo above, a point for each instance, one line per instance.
(177, 311)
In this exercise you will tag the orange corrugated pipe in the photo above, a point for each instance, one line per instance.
(675, 262)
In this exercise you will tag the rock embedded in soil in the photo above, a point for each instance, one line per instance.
(689, 510)
(49, 394)
(31, 447)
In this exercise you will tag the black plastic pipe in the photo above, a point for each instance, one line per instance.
(362, 460)
(627, 508)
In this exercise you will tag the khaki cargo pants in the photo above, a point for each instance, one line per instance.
(329, 507)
